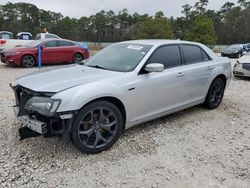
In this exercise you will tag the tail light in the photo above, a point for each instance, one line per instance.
(2, 42)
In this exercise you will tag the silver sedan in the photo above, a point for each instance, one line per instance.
(124, 85)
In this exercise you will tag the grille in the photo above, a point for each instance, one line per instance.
(246, 66)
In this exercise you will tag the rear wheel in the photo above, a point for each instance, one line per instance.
(97, 127)
(77, 58)
(215, 94)
(28, 61)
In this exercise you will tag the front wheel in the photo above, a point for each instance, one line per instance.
(77, 58)
(97, 127)
(215, 94)
(28, 61)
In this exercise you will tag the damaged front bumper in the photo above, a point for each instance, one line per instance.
(34, 124)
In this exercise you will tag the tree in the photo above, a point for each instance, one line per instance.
(202, 30)
(155, 28)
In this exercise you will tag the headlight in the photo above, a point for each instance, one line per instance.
(236, 51)
(43, 105)
(12, 53)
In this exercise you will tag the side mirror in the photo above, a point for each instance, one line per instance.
(154, 67)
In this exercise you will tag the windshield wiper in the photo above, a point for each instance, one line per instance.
(97, 66)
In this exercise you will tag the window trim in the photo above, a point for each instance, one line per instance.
(161, 46)
(201, 49)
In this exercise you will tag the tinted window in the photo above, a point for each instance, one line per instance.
(169, 56)
(50, 44)
(65, 43)
(192, 54)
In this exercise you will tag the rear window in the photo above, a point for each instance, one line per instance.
(194, 54)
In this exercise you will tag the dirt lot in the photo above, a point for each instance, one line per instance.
(192, 148)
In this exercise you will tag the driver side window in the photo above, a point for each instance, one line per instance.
(169, 56)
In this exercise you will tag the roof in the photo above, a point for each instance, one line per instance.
(158, 42)
(6, 32)
(24, 33)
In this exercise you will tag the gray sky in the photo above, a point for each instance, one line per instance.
(78, 8)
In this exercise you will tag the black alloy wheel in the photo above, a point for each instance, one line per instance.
(97, 127)
(215, 94)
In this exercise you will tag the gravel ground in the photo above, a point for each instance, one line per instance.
(192, 148)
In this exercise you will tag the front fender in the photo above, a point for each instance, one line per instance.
(75, 98)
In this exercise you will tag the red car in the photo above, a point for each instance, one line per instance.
(52, 51)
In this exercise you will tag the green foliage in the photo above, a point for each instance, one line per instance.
(228, 25)
(202, 30)
(155, 28)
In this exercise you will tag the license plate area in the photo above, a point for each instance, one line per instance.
(33, 124)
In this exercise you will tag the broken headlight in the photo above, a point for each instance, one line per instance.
(43, 105)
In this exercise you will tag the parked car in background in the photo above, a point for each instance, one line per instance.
(233, 51)
(11, 43)
(242, 67)
(123, 85)
(40, 36)
(247, 47)
(52, 50)
(6, 35)
(24, 36)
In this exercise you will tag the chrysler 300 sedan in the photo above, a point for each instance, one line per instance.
(126, 84)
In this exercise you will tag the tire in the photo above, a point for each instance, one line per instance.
(238, 55)
(215, 94)
(93, 131)
(77, 58)
(28, 61)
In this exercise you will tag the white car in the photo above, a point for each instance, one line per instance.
(11, 43)
(242, 67)
(40, 36)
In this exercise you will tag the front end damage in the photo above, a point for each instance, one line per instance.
(33, 122)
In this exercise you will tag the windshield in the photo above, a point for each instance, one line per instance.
(33, 44)
(234, 47)
(123, 57)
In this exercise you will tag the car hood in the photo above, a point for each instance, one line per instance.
(58, 79)
(244, 59)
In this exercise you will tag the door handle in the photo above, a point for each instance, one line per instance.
(180, 74)
(210, 67)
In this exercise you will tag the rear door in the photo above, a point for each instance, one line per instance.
(198, 68)
(66, 50)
